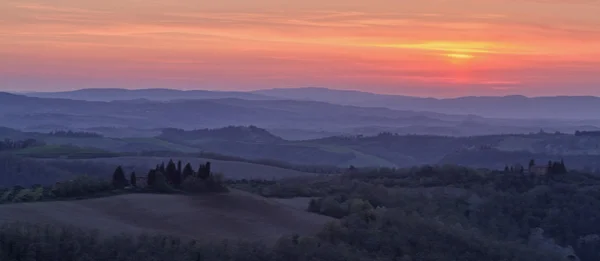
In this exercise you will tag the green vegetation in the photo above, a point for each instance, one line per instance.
(78, 188)
(554, 213)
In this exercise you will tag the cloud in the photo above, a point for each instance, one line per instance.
(373, 44)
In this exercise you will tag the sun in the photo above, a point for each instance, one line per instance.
(459, 58)
(462, 56)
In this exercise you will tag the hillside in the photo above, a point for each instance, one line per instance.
(235, 215)
(255, 144)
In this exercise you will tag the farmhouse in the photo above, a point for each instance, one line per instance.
(539, 170)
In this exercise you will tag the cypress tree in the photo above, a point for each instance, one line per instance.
(179, 170)
(187, 171)
(204, 171)
(201, 171)
(531, 164)
(170, 171)
(118, 179)
(151, 178)
(563, 168)
(133, 179)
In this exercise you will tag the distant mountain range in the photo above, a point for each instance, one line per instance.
(515, 107)
(297, 119)
(110, 94)
(509, 107)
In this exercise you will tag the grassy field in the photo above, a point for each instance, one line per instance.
(234, 215)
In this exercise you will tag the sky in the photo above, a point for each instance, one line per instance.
(435, 48)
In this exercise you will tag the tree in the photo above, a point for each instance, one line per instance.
(506, 169)
(161, 185)
(151, 178)
(133, 179)
(187, 171)
(118, 179)
(531, 163)
(171, 173)
(179, 170)
(204, 171)
(563, 168)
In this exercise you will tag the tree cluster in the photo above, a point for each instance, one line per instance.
(9, 144)
(80, 187)
(588, 133)
(75, 134)
(171, 177)
(509, 208)
(557, 167)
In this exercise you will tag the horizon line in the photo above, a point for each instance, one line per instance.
(255, 91)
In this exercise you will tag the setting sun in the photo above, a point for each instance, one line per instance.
(460, 56)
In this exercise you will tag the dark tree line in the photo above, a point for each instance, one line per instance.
(173, 176)
(9, 144)
(588, 133)
(75, 134)
(552, 169)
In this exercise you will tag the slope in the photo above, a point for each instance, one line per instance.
(235, 215)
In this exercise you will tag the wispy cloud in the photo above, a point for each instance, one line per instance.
(383, 43)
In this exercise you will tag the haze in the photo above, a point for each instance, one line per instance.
(425, 48)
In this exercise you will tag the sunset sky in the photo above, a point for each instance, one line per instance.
(441, 48)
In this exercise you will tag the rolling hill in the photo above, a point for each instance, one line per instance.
(515, 106)
(257, 145)
(235, 215)
(143, 117)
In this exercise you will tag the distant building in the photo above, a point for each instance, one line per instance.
(539, 170)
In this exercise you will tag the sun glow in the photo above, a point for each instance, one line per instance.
(462, 56)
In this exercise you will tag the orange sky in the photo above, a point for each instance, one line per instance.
(426, 47)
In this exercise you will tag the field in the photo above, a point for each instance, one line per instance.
(235, 215)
